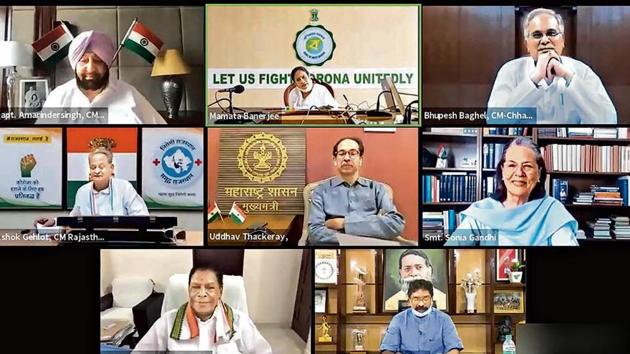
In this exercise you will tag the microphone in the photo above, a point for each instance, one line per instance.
(347, 102)
(235, 89)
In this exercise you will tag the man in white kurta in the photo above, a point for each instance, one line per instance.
(91, 55)
(562, 89)
(205, 323)
(119, 198)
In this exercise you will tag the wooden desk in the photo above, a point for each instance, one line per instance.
(15, 238)
(229, 233)
(184, 118)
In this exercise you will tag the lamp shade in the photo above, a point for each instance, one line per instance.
(170, 63)
(15, 54)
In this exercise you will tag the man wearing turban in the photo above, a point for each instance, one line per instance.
(91, 55)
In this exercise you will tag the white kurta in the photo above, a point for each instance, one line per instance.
(319, 96)
(583, 101)
(246, 340)
(120, 198)
(124, 103)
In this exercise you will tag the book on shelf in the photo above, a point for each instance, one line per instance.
(454, 130)
(440, 222)
(488, 187)
(492, 153)
(603, 195)
(620, 226)
(580, 132)
(560, 190)
(599, 228)
(513, 131)
(586, 158)
(449, 187)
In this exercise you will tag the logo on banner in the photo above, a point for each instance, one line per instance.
(178, 161)
(314, 44)
(262, 157)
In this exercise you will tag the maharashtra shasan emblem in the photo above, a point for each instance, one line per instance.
(314, 44)
(262, 157)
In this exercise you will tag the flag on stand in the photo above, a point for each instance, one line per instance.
(53, 46)
(237, 214)
(140, 40)
(214, 213)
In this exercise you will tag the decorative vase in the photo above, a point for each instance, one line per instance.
(172, 91)
(470, 302)
(515, 277)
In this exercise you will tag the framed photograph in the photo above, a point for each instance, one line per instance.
(321, 296)
(503, 260)
(401, 266)
(32, 94)
(326, 267)
(508, 301)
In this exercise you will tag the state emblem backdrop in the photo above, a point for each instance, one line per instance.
(263, 170)
(172, 167)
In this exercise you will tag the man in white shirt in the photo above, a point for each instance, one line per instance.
(204, 323)
(91, 55)
(563, 90)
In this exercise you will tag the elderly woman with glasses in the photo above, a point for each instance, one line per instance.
(520, 213)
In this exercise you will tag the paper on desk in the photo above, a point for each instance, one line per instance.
(45, 230)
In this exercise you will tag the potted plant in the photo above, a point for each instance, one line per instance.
(516, 271)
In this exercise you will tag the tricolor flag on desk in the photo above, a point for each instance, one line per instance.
(140, 40)
(214, 213)
(237, 214)
(53, 46)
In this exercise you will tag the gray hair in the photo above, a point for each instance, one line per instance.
(104, 151)
(541, 11)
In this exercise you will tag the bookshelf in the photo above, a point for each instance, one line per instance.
(478, 331)
(471, 146)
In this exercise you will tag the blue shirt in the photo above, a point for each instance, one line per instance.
(366, 207)
(409, 334)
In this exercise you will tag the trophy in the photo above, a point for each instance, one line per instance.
(470, 285)
(358, 338)
(360, 302)
(324, 329)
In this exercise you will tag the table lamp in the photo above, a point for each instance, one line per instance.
(171, 66)
(14, 54)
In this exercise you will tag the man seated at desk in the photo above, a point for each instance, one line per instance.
(421, 328)
(352, 204)
(104, 194)
(91, 55)
(204, 323)
(306, 93)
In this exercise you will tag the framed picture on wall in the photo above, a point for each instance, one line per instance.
(401, 266)
(32, 94)
(503, 260)
(508, 301)
(321, 296)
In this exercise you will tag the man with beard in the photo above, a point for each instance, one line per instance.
(414, 264)
(351, 204)
(91, 55)
(421, 328)
(562, 89)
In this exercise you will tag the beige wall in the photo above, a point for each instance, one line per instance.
(262, 37)
(158, 265)
(271, 278)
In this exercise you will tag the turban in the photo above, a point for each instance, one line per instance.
(96, 42)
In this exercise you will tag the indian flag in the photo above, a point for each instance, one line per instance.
(78, 148)
(53, 46)
(214, 213)
(237, 214)
(140, 40)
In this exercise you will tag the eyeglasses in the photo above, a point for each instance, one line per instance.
(539, 35)
(510, 167)
(422, 299)
(352, 153)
